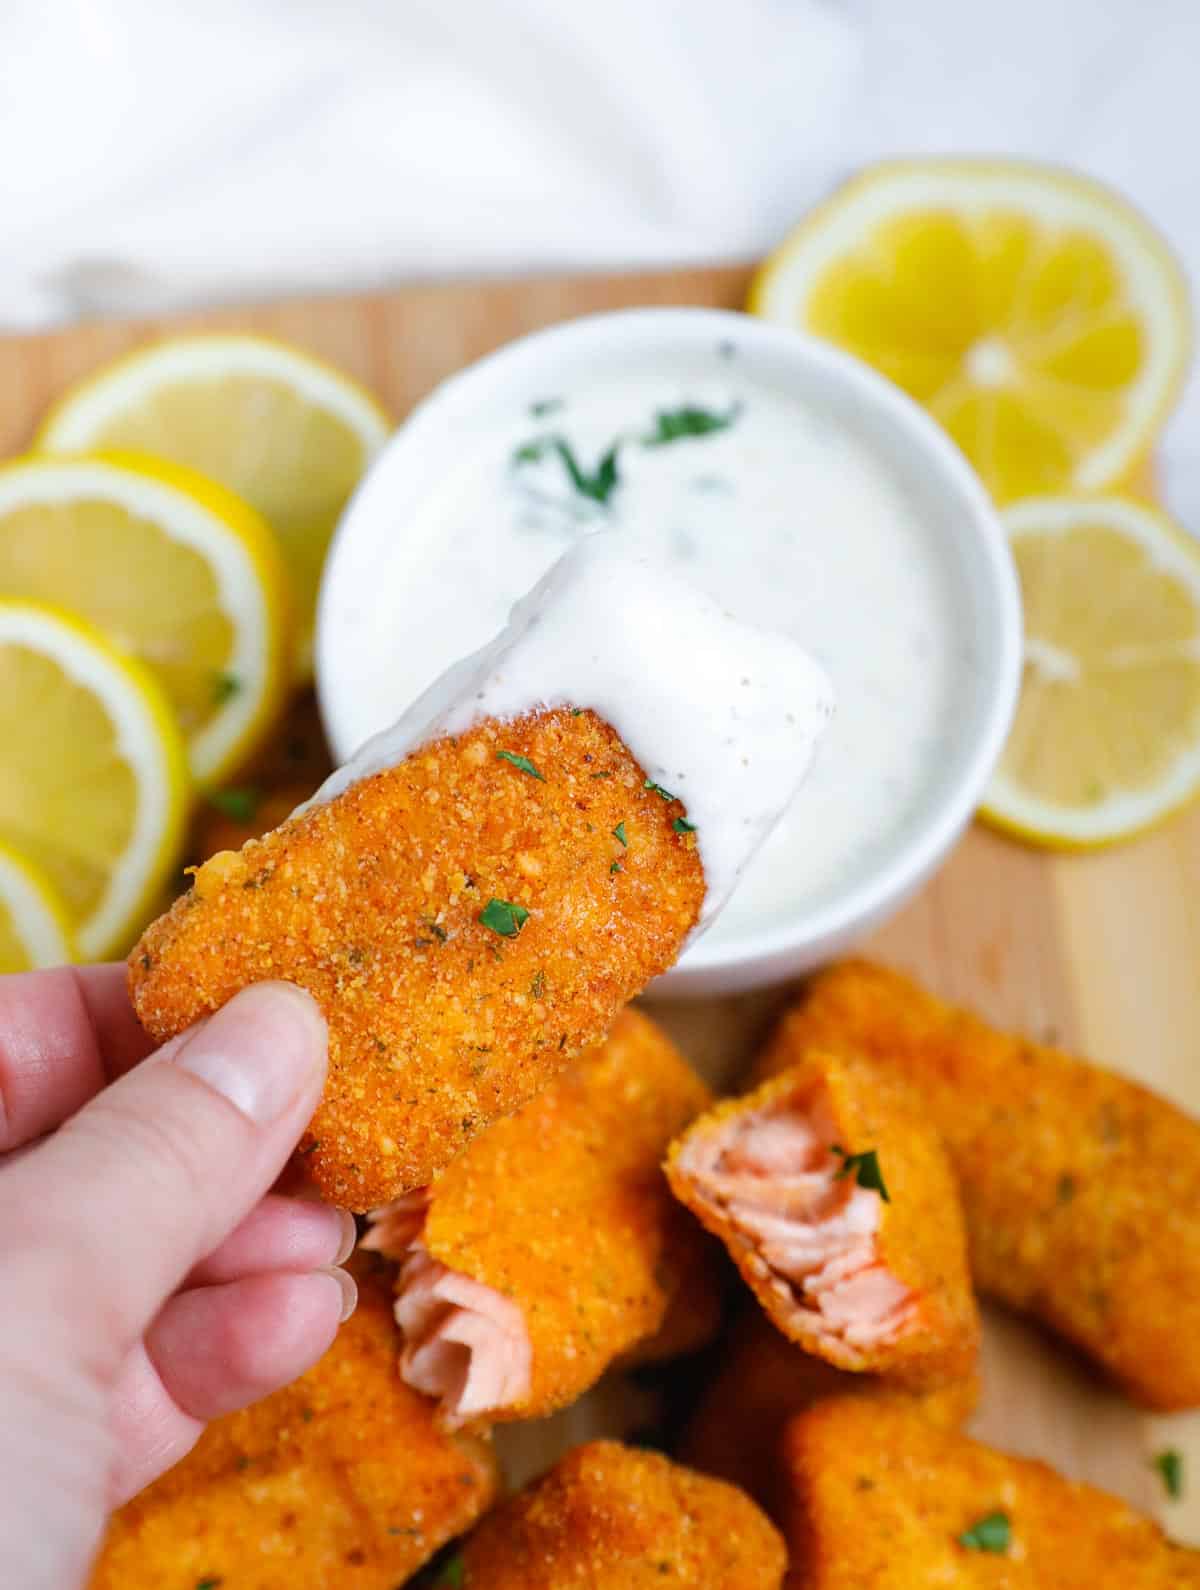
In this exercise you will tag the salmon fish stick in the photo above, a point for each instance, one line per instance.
(477, 894)
(552, 1246)
(1081, 1189)
(608, 1517)
(340, 1479)
(881, 1499)
(762, 1381)
(838, 1205)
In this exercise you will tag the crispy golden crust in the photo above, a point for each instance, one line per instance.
(609, 1516)
(921, 1238)
(1081, 1189)
(341, 1479)
(762, 1381)
(879, 1498)
(563, 1207)
(437, 1023)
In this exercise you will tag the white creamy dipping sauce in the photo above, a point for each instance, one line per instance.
(784, 517)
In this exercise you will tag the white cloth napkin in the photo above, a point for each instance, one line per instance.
(159, 152)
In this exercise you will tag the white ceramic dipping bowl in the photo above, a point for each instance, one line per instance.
(953, 505)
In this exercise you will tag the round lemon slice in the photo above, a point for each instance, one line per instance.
(286, 433)
(175, 570)
(1036, 315)
(1106, 739)
(93, 782)
(35, 929)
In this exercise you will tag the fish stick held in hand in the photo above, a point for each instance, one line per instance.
(608, 1517)
(552, 1245)
(838, 1205)
(1081, 1188)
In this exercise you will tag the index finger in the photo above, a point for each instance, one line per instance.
(64, 1035)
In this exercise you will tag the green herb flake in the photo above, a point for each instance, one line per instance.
(453, 1573)
(682, 826)
(577, 712)
(619, 833)
(529, 452)
(546, 406)
(616, 867)
(673, 425)
(523, 762)
(992, 1532)
(597, 486)
(241, 804)
(864, 1168)
(607, 774)
(1170, 1467)
(538, 986)
(225, 687)
(210, 1583)
(657, 789)
(504, 917)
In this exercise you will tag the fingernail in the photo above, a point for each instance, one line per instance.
(349, 1236)
(349, 1289)
(260, 1051)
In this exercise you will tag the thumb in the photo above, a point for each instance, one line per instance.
(155, 1171)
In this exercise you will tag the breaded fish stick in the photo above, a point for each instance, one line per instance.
(466, 927)
(341, 1479)
(608, 1517)
(763, 1380)
(552, 1245)
(839, 1207)
(1081, 1189)
(474, 897)
(880, 1499)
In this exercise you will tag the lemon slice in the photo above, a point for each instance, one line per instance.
(1036, 315)
(93, 781)
(1106, 738)
(174, 569)
(35, 929)
(287, 434)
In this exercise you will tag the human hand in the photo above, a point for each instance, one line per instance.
(148, 1279)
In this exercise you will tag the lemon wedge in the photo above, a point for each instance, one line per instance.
(35, 929)
(174, 569)
(1035, 314)
(286, 433)
(93, 783)
(1106, 739)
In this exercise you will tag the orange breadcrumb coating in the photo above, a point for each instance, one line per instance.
(1081, 1189)
(340, 1479)
(900, 1295)
(762, 1381)
(563, 1208)
(879, 1499)
(437, 1023)
(610, 1516)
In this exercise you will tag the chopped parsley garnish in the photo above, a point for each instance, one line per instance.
(522, 762)
(538, 987)
(240, 804)
(682, 826)
(607, 774)
(452, 1573)
(864, 1168)
(658, 789)
(209, 1584)
(598, 486)
(619, 833)
(225, 687)
(991, 1533)
(672, 425)
(616, 867)
(503, 917)
(1170, 1466)
(546, 406)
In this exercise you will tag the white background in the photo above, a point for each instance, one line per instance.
(163, 151)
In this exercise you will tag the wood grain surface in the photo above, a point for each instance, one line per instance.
(1101, 952)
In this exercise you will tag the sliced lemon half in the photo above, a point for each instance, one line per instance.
(1106, 739)
(35, 928)
(1035, 314)
(289, 435)
(174, 569)
(93, 782)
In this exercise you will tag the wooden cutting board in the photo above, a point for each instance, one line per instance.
(1099, 953)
